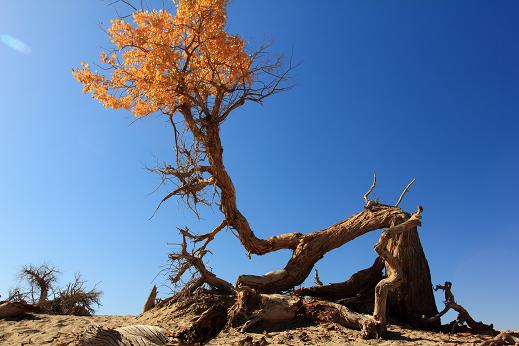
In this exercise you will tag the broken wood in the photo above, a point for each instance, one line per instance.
(150, 302)
(463, 315)
(323, 311)
(135, 335)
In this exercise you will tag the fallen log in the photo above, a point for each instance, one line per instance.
(16, 309)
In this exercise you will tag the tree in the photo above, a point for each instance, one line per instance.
(41, 281)
(76, 299)
(73, 299)
(187, 67)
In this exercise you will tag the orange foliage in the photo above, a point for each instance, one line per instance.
(162, 61)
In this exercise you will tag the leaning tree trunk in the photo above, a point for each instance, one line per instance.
(413, 299)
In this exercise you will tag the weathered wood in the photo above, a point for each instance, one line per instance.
(150, 302)
(463, 314)
(16, 309)
(252, 307)
(394, 270)
(414, 297)
(358, 282)
(136, 335)
(323, 311)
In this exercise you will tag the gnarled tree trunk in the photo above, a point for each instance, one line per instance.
(411, 300)
(414, 298)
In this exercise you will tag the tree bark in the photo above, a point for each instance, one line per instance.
(313, 246)
(414, 298)
(323, 311)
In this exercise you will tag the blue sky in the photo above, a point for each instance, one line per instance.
(425, 89)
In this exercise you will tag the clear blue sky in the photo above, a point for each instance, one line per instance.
(425, 89)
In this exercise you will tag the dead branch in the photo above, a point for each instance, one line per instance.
(404, 192)
(76, 299)
(463, 315)
(318, 281)
(185, 260)
(369, 203)
(313, 246)
(150, 302)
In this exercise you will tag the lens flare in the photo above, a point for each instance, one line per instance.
(14, 43)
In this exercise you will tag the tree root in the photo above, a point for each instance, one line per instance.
(206, 327)
(252, 308)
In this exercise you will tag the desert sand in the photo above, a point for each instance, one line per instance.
(57, 330)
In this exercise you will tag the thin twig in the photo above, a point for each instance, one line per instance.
(366, 195)
(404, 192)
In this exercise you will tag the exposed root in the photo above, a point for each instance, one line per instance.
(252, 308)
(323, 311)
(206, 327)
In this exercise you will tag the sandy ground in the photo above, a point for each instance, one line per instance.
(67, 330)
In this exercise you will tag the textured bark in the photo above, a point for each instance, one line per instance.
(323, 311)
(313, 246)
(136, 335)
(252, 307)
(414, 298)
(395, 274)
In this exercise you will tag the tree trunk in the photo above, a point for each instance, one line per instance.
(414, 298)
(410, 301)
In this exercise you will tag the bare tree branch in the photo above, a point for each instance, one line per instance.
(404, 192)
